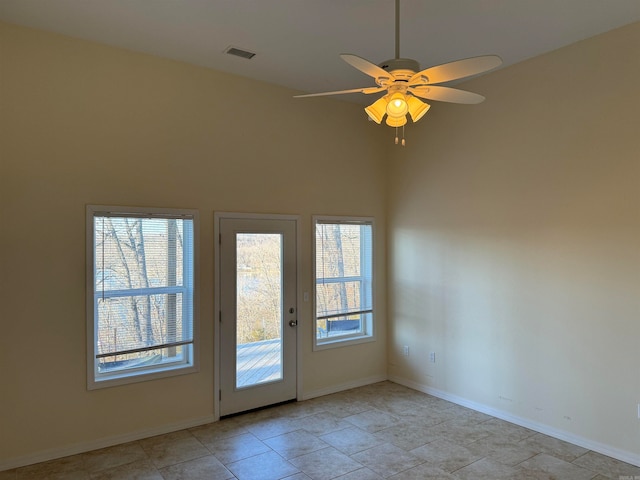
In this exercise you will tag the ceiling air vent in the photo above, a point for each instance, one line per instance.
(240, 53)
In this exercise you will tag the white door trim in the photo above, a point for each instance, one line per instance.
(217, 216)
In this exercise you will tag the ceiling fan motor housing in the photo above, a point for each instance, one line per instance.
(401, 68)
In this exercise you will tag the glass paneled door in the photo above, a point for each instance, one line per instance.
(258, 313)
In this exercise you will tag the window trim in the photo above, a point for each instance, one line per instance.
(135, 375)
(369, 334)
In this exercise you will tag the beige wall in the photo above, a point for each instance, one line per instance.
(87, 124)
(514, 245)
(513, 234)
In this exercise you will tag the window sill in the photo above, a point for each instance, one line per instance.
(342, 342)
(125, 378)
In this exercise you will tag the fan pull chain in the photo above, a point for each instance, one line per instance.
(403, 143)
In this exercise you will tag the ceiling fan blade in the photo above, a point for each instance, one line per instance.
(455, 70)
(365, 66)
(446, 94)
(365, 90)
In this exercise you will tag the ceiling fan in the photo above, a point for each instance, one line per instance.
(404, 82)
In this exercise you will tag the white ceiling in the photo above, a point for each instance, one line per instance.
(297, 42)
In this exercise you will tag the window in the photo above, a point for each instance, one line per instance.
(343, 280)
(141, 294)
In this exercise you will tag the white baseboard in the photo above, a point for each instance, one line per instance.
(343, 386)
(54, 453)
(74, 449)
(598, 447)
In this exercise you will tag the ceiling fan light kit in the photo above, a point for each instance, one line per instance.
(404, 82)
(396, 121)
(377, 110)
(397, 105)
(417, 108)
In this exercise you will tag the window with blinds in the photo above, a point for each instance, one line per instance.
(142, 292)
(343, 280)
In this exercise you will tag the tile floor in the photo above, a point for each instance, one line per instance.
(378, 431)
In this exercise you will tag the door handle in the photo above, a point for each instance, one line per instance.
(293, 323)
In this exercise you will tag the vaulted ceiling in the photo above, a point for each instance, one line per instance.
(297, 42)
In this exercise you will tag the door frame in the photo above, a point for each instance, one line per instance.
(217, 216)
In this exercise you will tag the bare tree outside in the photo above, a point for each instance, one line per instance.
(259, 287)
(339, 275)
(137, 262)
(139, 285)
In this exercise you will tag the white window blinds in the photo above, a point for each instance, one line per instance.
(343, 264)
(143, 291)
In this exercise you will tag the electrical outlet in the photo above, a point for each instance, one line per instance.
(432, 357)
(405, 350)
